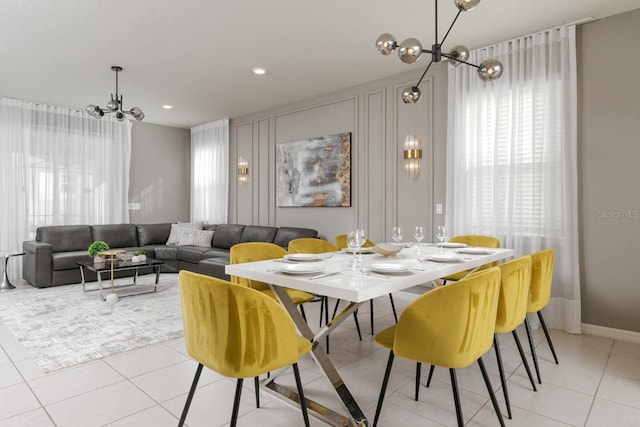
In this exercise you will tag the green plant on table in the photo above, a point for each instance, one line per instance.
(97, 247)
(140, 252)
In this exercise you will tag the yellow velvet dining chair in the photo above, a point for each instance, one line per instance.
(237, 332)
(341, 243)
(539, 296)
(515, 276)
(261, 251)
(308, 245)
(450, 326)
(475, 240)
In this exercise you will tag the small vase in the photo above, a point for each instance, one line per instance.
(98, 259)
(143, 258)
(135, 258)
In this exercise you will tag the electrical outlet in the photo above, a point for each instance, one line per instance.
(438, 208)
(134, 206)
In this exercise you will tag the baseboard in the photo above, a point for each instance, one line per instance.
(619, 334)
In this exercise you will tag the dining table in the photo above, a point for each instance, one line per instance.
(355, 278)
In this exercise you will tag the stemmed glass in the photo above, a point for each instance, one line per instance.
(418, 234)
(441, 234)
(355, 240)
(396, 234)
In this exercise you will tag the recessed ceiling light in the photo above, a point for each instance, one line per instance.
(167, 106)
(258, 70)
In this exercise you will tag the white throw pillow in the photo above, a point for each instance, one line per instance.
(174, 234)
(193, 237)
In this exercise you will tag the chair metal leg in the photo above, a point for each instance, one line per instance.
(256, 385)
(303, 404)
(431, 369)
(383, 389)
(503, 380)
(355, 318)
(335, 309)
(456, 397)
(236, 403)
(393, 307)
(492, 395)
(371, 314)
(546, 334)
(322, 301)
(533, 349)
(304, 316)
(418, 369)
(524, 359)
(192, 391)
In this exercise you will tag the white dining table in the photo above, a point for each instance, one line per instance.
(370, 279)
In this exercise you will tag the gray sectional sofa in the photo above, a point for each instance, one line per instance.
(50, 259)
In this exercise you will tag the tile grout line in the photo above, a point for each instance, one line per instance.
(595, 394)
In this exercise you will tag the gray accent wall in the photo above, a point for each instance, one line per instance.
(382, 195)
(609, 151)
(160, 174)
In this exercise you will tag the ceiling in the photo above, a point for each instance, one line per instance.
(197, 55)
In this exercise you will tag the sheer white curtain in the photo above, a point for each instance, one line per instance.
(59, 166)
(210, 172)
(512, 157)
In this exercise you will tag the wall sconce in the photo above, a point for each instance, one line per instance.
(243, 170)
(412, 156)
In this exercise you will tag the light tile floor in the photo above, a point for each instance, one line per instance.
(597, 383)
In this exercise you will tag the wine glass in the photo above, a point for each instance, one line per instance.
(418, 234)
(355, 240)
(396, 234)
(441, 234)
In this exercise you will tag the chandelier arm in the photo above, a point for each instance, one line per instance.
(455, 58)
(424, 74)
(450, 27)
(436, 19)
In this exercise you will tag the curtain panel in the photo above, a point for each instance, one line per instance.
(512, 157)
(59, 166)
(210, 172)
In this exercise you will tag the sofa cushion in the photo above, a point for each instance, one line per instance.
(192, 237)
(166, 253)
(286, 234)
(153, 234)
(227, 235)
(258, 233)
(69, 260)
(63, 238)
(116, 235)
(191, 254)
(216, 253)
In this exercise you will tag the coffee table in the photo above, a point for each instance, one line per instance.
(110, 267)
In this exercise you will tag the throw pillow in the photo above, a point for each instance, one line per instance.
(193, 237)
(174, 234)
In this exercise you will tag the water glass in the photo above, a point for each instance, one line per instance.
(355, 240)
(396, 234)
(418, 234)
(441, 234)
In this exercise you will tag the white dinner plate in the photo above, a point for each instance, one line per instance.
(452, 245)
(388, 268)
(475, 251)
(303, 257)
(368, 250)
(445, 257)
(300, 269)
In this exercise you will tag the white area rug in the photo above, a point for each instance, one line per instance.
(62, 326)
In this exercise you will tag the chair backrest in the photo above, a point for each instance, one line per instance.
(515, 276)
(541, 279)
(341, 242)
(476, 240)
(253, 251)
(233, 330)
(310, 246)
(453, 325)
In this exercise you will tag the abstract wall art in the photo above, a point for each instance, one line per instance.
(314, 172)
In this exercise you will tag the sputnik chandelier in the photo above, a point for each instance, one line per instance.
(115, 105)
(411, 49)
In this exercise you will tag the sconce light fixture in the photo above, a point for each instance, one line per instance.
(412, 156)
(243, 170)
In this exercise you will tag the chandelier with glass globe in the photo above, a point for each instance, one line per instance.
(411, 49)
(115, 105)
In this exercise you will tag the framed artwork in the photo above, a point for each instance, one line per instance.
(314, 172)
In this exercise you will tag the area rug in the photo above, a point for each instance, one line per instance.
(63, 326)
